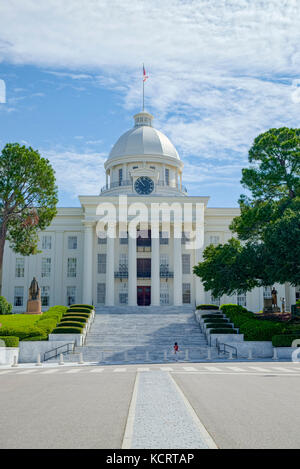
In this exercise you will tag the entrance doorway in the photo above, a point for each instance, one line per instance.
(143, 296)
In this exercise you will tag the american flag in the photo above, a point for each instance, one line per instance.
(145, 76)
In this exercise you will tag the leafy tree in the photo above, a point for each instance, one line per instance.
(269, 223)
(28, 198)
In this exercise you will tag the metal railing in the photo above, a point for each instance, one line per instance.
(222, 348)
(58, 350)
(129, 182)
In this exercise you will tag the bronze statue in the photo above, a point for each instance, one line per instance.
(34, 290)
(274, 297)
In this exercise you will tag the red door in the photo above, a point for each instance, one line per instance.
(143, 296)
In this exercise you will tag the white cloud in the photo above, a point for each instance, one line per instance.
(220, 71)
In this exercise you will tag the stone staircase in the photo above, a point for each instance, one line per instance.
(142, 335)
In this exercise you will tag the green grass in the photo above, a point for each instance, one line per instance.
(21, 320)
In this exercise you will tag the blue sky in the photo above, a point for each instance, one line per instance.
(220, 73)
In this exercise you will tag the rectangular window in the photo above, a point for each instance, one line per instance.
(120, 176)
(101, 293)
(45, 296)
(72, 242)
(267, 292)
(20, 264)
(46, 242)
(46, 267)
(72, 267)
(71, 295)
(163, 237)
(123, 293)
(185, 237)
(167, 176)
(186, 263)
(164, 263)
(164, 293)
(215, 300)
(242, 299)
(123, 237)
(215, 240)
(186, 293)
(102, 239)
(18, 296)
(101, 263)
(123, 262)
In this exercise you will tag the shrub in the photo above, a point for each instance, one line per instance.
(83, 306)
(55, 312)
(260, 330)
(5, 306)
(74, 313)
(67, 330)
(10, 341)
(207, 307)
(218, 326)
(47, 325)
(70, 324)
(223, 331)
(213, 316)
(36, 338)
(22, 332)
(216, 320)
(284, 340)
(78, 319)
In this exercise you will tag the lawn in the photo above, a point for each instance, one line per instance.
(20, 320)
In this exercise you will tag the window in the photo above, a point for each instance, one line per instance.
(71, 295)
(101, 263)
(20, 263)
(215, 301)
(45, 296)
(167, 176)
(241, 299)
(19, 295)
(164, 263)
(123, 293)
(152, 167)
(215, 240)
(101, 293)
(123, 262)
(46, 242)
(120, 176)
(164, 293)
(72, 267)
(72, 242)
(46, 267)
(267, 292)
(123, 237)
(102, 239)
(134, 167)
(185, 237)
(186, 263)
(163, 237)
(186, 293)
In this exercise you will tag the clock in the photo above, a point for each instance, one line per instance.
(144, 185)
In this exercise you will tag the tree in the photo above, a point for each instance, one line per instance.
(268, 246)
(28, 198)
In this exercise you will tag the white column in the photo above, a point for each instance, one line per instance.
(110, 271)
(124, 172)
(87, 294)
(106, 179)
(199, 288)
(177, 257)
(132, 284)
(181, 180)
(155, 272)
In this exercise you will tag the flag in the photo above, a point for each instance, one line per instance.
(145, 76)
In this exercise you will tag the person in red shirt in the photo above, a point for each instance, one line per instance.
(176, 348)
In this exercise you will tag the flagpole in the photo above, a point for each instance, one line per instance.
(143, 90)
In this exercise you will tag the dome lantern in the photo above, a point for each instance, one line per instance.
(143, 119)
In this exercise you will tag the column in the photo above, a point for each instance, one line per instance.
(199, 288)
(132, 284)
(110, 271)
(59, 295)
(181, 180)
(155, 272)
(124, 172)
(177, 259)
(106, 179)
(87, 293)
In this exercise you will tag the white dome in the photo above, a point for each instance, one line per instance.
(143, 139)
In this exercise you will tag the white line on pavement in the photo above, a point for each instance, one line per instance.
(212, 368)
(49, 372)
(143, 369)
(77, 370)
(27, 372)
(166, 368)
(97, 370)
(286, 370)
(258, 368)
(235, 368)
(120, 370)
(127, 439)
(189, 368)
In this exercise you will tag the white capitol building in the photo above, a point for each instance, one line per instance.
(76, 265)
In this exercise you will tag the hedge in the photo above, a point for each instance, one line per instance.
(207, 307)
(79, 310)
(91, 307)
(216, 320)
(284, 340)
(223, 331)
(70, 324)
(80, 315)
(10, 341)
(5, 306)
(212, 316)
(67, 330)
(79, 319)
(22, 332)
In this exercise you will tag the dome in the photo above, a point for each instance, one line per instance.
(143, 139)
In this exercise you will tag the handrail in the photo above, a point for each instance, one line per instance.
(58, 348)
(221, 344)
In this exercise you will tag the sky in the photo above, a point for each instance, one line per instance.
(220, 73)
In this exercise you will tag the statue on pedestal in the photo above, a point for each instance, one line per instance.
(274, 297)
(34, 298)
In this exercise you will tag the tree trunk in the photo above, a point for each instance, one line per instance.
(2, 244)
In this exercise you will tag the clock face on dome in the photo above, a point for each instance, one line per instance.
(144, 185)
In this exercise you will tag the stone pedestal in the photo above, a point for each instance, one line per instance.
(34, 307)
(268, 306)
